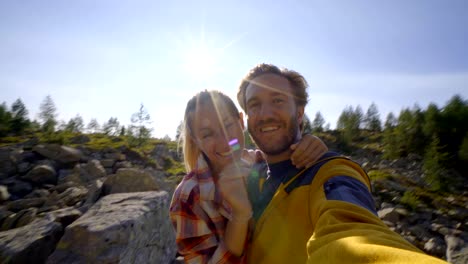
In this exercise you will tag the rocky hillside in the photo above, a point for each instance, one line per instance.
(64, 204)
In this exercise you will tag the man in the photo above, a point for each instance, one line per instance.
(324, 214)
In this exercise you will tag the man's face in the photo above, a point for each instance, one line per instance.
(273, 116)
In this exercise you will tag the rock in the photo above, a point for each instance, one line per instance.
(389, 214)
(120, 228)
(32, 243)
(27, 216)
(129, 180)
(80, 139)
(42, 174)
(457, 250)
(4, 194)
(65, 216)
(24, 167)
(115, 156)
(7, 165)
(90, 171)
(108, 163)
(59, 153)
(38, 193)
(435, 247)
(19, 205)
(73, 195)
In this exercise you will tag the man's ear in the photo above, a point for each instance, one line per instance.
(300, 114)
(241, 120)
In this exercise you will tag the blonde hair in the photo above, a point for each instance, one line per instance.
(189, 146)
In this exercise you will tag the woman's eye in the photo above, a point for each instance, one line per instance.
(277, 100)
(206, 136)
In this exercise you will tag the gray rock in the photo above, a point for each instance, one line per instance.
(32, 243)
(90, 171)
(389, 214)
(130, 180)
(42, 174)
(120, 228)
(65, 216)
(457, 250)
(19, 205)
(27, 216)
(4, 194)
(73, 195)
(59, 153)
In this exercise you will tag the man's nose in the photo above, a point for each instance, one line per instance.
(266, 111)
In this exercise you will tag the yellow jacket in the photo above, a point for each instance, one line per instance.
(302, 226)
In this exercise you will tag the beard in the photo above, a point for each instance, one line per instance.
(282, 143)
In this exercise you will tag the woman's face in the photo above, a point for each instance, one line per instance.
(218, 134)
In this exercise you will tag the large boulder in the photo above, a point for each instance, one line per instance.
(130, 180)
(41, 174)
(32, 243)
(120, 228)
(59, 153)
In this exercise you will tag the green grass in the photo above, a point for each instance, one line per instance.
(380, 174)
(410, 199)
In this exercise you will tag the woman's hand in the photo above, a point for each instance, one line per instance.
(307, 151)
(232, 185)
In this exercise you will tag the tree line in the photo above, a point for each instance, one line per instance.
(438, 135)
(14, 121)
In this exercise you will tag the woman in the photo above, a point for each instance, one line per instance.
(210, 209)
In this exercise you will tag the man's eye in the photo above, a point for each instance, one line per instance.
(253, 105)
(278, 100)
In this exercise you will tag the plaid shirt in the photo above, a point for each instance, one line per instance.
(200, 215)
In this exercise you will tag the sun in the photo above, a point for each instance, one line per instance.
(201, 63)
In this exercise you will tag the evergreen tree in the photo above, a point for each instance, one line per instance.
(434, 165)
(5, 120)
(390, 121)
(463, 151)
(349, 123)
(431, 121)
(390, 143)
(75, 124)
(111, 127)
(20, 120)
(93, 126)
(306, 125)
(139, 132)
(317, 124)
(372, 119)
(47, 114)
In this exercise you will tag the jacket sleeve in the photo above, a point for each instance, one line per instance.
(347, 231)
(196, 242)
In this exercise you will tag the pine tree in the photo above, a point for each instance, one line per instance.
(93, 126)
(139, 132)
(5, 120)
(111, 127)
(47, 114)
(435, 165)
(20, 121)
(75, 124)
(372, 119)
(317, 124)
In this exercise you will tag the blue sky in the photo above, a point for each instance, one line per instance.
(101, 59)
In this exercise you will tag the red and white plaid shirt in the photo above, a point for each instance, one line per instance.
(199, 215)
